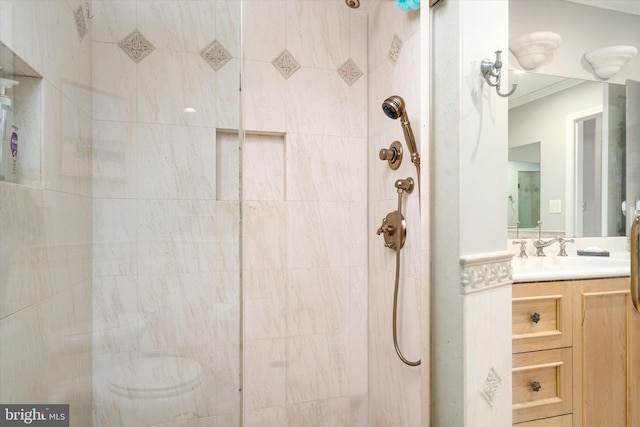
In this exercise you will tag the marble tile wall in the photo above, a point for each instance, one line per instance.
(45, 223)
(166, 212)
(165, 222)
(394, 69)
(305, 214)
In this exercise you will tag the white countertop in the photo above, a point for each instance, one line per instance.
(537, 269)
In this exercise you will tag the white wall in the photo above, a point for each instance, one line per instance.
(471, 337)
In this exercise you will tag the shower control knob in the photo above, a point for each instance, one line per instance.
(387, 154)
(393, 155)
(386, 227)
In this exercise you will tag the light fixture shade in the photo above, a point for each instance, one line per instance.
(532, 49)
(606, 62)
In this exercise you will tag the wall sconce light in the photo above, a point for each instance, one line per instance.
(493, 70)
(606, 62)
(532, 49)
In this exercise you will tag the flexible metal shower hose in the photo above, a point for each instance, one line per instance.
(395, 292)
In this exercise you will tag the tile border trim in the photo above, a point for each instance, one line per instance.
(485, 271)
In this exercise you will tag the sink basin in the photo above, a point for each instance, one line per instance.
(535, 269)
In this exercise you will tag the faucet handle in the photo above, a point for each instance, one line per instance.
(523, 248)
(563, 245)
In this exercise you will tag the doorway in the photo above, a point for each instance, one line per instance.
(528, 198)
(589, 176)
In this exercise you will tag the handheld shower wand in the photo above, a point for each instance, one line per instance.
(394, 108)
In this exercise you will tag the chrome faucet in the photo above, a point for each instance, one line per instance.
(541, 244)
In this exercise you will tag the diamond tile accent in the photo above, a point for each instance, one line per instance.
(394, 51)
(216, 55)
(350, 72)
(286, 64)
(81, 23)
(136, 46)
(491, 385)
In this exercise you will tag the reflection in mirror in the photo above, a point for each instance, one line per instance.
(524, 185)
(567, 156)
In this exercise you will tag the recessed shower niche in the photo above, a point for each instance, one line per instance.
(21, 121)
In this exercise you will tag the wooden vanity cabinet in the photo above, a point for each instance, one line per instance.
(542, 353)
(606, 359)
(583, 350)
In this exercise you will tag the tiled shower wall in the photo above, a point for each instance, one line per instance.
(305, 214)
(394, 69)
(165, 222)
(166, 212)
(45, 223)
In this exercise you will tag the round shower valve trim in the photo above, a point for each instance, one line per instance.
(391, 224)
(393, 155)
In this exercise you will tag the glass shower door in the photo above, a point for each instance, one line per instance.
(120, 273)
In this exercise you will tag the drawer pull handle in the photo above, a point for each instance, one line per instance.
(535, 386)
(535, 317)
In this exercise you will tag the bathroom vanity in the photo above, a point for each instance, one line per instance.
(574, 346)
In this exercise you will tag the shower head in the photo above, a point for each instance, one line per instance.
(353, 4)
(394, 108)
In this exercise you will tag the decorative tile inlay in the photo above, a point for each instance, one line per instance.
(216, 55)
(350, 72)
(491, 385)
(81, 23)
(482, 272)
(136, 46)
(394, 51)
(286, 64)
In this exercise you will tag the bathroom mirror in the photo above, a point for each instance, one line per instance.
(567, 155)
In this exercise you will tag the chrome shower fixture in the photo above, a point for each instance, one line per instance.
(494, 70)
(394, 108)
(353, 4)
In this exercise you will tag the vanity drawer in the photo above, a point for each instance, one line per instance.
(550, 373)
(541, 316)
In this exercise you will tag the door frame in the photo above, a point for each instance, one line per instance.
(571, 181)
